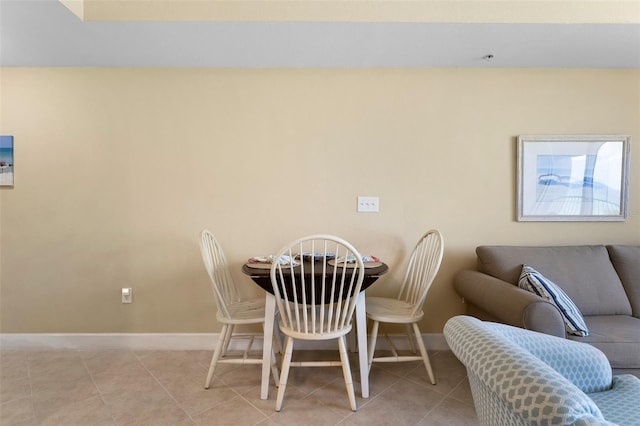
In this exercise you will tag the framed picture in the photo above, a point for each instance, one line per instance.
(573, 178)
(6, 160)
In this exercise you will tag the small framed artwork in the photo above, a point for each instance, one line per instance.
(573, 178)
(6, 160)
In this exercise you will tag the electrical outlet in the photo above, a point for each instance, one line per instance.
(368, 205)
(127, 295)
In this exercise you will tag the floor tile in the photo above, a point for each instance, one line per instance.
(14, 388)
(13, 365)
(306, 411)
(18, 412)
(123, 387)
(236, 411)
(450, 412)
(143, 404)
(404, 403)
(189, 392)
(91, 411)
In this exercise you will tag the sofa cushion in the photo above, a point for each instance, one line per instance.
(618, 336)
(626, 261)
(585, 273)
(533, 281)
(621, 404)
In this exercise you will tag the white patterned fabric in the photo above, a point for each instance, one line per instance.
(520, 377)
(586, 367)
(621, 404)
(533, 281)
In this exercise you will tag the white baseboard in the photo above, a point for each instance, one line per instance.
(163, 341)
(97, 341)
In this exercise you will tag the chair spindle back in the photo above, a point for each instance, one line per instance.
(222, 283)
(423, 267)
(317, 296)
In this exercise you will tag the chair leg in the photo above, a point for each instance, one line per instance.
(216, 354)
(372, 341)
(227, 339)
(351, 342)
(275, 348)
(410, 336)
(277, 342)
(284, 371)
(346, 372)
(277, 335)
(274, 368)
(423, 352)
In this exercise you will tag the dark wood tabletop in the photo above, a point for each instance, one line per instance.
(261, 274)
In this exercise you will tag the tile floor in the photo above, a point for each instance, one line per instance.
(166, 388)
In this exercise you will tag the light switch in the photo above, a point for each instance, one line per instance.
(368, 205)
(127, 295)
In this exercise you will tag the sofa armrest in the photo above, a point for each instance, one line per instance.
(583, 365)
(509, 303)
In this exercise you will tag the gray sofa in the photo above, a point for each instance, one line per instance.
(602, 281)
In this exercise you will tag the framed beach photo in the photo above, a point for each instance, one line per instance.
(573, 178)
(6, 160)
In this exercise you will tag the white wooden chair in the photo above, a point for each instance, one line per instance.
(232, 310)
(316, 300)
(406, 308)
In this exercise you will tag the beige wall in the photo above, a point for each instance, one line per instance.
(117, 171)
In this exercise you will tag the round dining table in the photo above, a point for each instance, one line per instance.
(260, 274)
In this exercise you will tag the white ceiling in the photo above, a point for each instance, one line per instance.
(46, 33)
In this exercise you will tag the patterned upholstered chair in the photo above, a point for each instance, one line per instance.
(521, 377)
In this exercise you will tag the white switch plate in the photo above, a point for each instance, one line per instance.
(127, 295)
(368, 205)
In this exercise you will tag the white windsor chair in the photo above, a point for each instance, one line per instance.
(232, 310)
(406, 308)
(317, 300)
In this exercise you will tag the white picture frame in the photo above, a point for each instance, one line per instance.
(573, 177)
